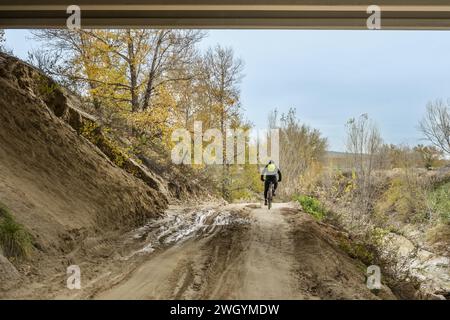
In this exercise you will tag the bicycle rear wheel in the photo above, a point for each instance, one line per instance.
(270, 196)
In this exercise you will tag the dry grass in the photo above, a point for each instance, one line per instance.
(15, 241)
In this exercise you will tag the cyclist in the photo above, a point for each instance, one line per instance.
(270, 173)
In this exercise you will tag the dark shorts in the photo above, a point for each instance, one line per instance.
(267, 182)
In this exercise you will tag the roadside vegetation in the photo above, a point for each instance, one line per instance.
(383, 195)
(312, 206)
(15, 241)
(439, 198)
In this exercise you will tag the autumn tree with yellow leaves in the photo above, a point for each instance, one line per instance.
(144, 83)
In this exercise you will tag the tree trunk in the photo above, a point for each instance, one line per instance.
(151, 77)
(133, 73)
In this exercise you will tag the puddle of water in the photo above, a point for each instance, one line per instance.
(178, 226)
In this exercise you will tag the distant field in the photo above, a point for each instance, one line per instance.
(343, 160)
(340, 160)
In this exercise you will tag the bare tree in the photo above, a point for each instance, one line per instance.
(363, 143)
(300, 147)
(429, 155)
(173, 51)
(45, 61)
(436, 125)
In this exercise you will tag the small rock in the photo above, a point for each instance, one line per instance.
(436, 297)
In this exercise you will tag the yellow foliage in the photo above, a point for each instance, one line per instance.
(343, 186)
(351, 184)
(94, 133)
(156, 120)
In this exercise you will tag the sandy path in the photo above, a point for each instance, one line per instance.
(251, 262)
(280, 254)
(266, 268)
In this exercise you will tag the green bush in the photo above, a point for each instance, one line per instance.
(312, 206)
(15, 241)
(357, 250)
(440, 201)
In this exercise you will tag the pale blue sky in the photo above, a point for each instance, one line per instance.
(330, 76)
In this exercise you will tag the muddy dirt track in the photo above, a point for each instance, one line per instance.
(256, 254)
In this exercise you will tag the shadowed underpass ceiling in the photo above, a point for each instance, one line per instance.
(307, 14)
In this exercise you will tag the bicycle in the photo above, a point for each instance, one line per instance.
(270, 194)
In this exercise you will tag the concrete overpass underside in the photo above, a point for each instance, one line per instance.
(286, 14)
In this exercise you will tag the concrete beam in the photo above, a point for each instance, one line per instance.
(295, 14)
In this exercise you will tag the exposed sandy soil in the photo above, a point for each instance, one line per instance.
(277, 254)
(66, 193)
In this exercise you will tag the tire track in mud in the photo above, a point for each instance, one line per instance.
(238, 252)
(187, 269)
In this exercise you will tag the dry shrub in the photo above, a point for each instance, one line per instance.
(439, 233)
(405, 197)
